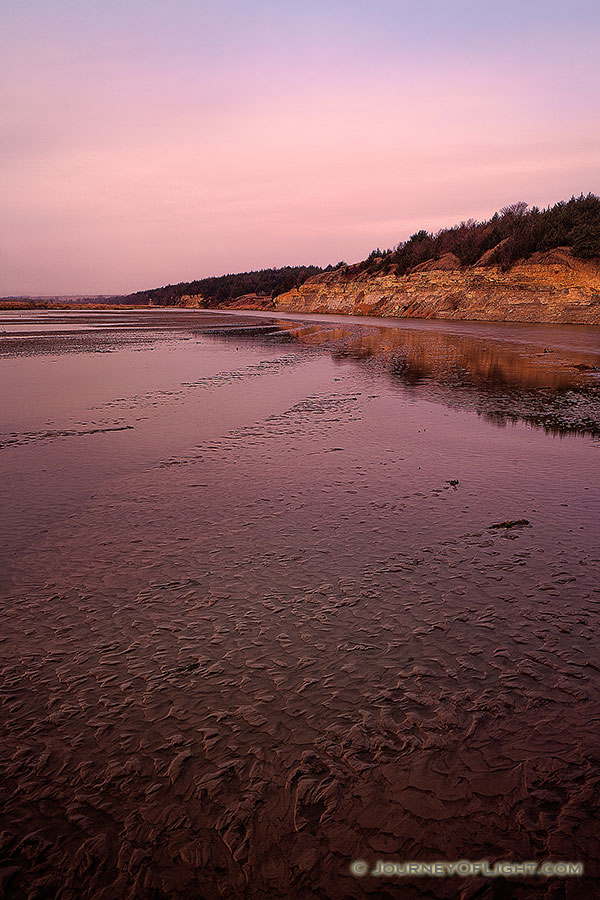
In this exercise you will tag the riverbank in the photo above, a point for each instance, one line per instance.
(549, 287)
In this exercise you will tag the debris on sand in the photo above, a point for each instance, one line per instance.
(510, 523)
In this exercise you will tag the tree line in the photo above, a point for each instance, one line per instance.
(509, 236)
(512, 234)
(264, 282)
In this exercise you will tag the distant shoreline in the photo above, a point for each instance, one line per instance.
(285, 313)
(8, 305)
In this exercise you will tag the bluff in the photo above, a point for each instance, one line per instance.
(551, 286)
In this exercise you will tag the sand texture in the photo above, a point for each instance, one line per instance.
(255, 622)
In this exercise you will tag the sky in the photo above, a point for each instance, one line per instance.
(146, 142)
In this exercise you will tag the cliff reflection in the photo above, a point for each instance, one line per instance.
(503, 381)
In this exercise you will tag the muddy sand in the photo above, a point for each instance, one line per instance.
(256, 621)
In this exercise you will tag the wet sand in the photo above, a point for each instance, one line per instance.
(255, 622)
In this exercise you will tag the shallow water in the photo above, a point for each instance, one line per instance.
(256, 622)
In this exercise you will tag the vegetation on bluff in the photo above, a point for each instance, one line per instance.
(511, 235)
(264, 282)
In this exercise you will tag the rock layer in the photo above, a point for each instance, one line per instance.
(548, 287)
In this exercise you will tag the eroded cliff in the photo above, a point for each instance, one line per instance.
(548, 287)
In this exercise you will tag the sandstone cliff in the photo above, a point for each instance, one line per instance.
(548, 287)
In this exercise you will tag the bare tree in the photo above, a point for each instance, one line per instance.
(515, 209)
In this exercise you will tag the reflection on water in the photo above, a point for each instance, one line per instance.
(273, 598)
(551, 388)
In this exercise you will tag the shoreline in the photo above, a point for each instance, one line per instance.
(287, 312)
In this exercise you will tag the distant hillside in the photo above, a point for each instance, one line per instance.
(267, 283)
(472, 258)
(521, 265)
(510, 236)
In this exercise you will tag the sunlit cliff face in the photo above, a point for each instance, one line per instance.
(154, 145)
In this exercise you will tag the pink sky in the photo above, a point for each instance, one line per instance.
(191, 139)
